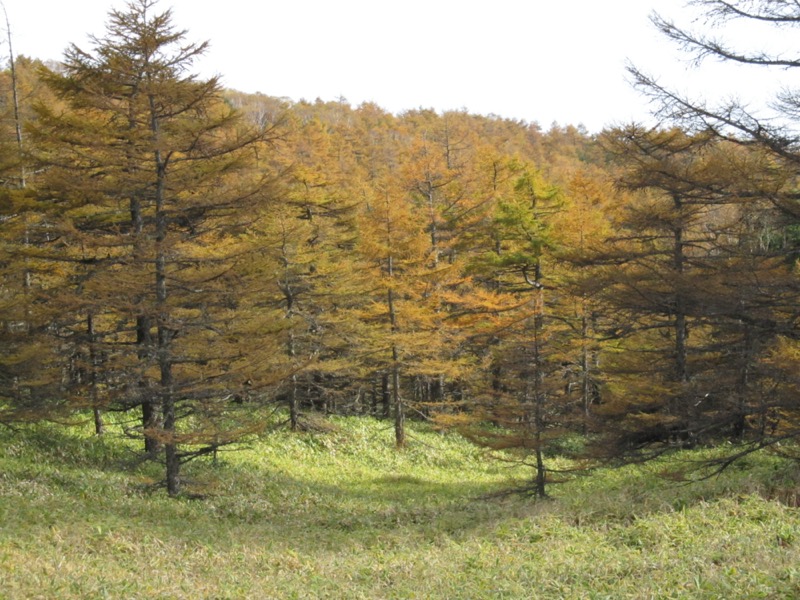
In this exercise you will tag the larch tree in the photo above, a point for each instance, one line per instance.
(392, 239)
(583, 226)
(696, 300)
(769, 132)
(437, 173)
(654, 261)
(524, 405)
(402, 333)
(154, 175)
(30, 363)
(310, 239)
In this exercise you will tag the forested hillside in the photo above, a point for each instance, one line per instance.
(185, 260)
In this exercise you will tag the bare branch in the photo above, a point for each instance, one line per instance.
(703, 47)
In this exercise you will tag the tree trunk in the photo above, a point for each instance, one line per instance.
(15, 100)
(173, 465)
(167, 393)
(587, 359)
(540, 486)
(399, 408)
(151, 414)
(386, 396)
(434, 230)
(294, 412)
(99, 427)
(539, 394)
(165, 333)
(680, 324)
(740, 413)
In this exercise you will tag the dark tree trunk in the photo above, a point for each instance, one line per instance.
(294, 411)
(173, 465)
(681, 324)
(151, 414)
(399, 408)
(742, 385)
(386, 396)
(99, 427)
(539, 395)
(165, 332)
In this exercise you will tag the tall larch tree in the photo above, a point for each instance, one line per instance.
(524, 405)
(311, 238)
(699, 296)
(769, 129)
(30, 365)
(153, 172)
(402, 334)
(582, 227)
(652, 282)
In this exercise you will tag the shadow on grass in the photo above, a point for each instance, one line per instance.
(242, 507)
(308, 511)
(47, 443)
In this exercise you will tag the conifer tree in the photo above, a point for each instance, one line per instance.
(524, 405)
(309, 239)
(769, 133)
(583, 225)
(689, 287)
(30, 364)
(393, 239)
(150, 168)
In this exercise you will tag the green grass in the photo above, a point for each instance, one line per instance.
(342, 514)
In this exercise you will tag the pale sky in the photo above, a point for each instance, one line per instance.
(534, 60)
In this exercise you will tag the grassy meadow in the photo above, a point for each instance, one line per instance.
(341, 514)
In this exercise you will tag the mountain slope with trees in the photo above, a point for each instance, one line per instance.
(192, 259)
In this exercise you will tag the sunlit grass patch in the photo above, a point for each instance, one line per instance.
(340, 513)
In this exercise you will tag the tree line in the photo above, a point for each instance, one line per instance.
(192, 259)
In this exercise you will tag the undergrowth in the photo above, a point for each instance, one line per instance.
(339, 513)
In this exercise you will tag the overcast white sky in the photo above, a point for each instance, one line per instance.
(534, 60)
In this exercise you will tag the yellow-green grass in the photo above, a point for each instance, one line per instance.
(341, 514)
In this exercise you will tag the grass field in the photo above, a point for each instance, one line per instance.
(341, 514)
